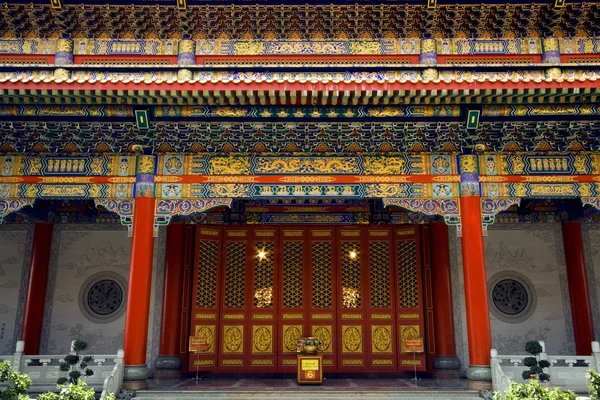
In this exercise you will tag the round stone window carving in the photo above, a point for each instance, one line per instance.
(102, 297)
(512, 297)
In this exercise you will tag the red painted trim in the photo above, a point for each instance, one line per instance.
(78, 59)
(49, 58)
(350, 59)
(578, 288)
(287, 86)
(172, 302)
(36, 289)
(66, 180)
(476, 299)
(417, 178)
(294, 179)
(565, 58)
(476, 58)
(443, 315)
(140, 282)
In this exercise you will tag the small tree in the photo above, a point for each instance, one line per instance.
(76, 364)
(17, 383)
(536, 368)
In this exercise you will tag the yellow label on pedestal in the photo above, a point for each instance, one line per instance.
(309, 365)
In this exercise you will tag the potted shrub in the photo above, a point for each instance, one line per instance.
(536, 367)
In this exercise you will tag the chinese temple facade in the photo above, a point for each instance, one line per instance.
(252, 174)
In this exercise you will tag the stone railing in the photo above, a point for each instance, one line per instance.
(114, 381)
(44, 370)
(567, 372)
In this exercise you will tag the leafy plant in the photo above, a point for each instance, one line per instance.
(594, 384)
(533, 390)
(73, 391)
(17, 383)
(536, 368)
(76, 364)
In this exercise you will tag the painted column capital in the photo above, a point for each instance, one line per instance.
(469, 175)
(550, 51)
(144, 179)
(428, 51)
(186, 54)
(64, 52)
(551, 55)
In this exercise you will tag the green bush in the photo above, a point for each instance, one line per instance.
(594, 384)
(533, 391)
(17, 383)
(73, 391)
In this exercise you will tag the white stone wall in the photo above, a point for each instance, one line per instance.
(15, 256)
(78, 252)
(535, 251)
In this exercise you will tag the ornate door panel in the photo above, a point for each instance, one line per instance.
(410, 297)
(380, 301)
(294, 294)
(234, 316)
(351, 299)
(263, 339)
(205, 304)
(322, 278)
(249, 315)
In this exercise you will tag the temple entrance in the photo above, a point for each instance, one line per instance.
(257, 289)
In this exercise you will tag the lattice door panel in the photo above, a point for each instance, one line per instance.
(352, 336)
(322, 296)
(380, 307)
(205, 298)
(410, 298)
(234, 317)
(294, 300)
(263, 336)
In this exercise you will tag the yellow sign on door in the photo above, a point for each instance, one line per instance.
(310, 365)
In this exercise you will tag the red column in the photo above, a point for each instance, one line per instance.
(36, 289)
(140, 277)
(476, 300)
(172, 297)
(578, 288)
(443, 317)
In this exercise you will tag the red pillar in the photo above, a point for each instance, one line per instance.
(476, 299)
(36, 289)
(172, 297)
(443, 317)
(140, 277)
(578, 288)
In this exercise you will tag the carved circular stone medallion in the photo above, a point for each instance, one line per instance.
(512, 297)
(102, 297)
(105, 297)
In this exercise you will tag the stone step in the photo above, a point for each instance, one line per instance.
(307, 394)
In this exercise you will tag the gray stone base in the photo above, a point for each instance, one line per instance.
(135, 373)
(446, 362)
(480, 373)
(168, 362)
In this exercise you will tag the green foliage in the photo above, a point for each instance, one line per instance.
(71, 391)
(75, 364)
(535, 367)
(594, 384)
(17, 383)
(533, 390)
(533, 347)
